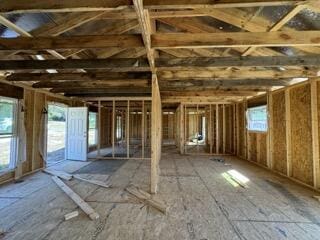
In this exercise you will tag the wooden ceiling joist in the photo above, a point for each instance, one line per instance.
(93, 84)
(74, 42)
(235, 39)
(22, 6)
(206, 63)
(225, 83)
(235, 74)
(84, 90)
(113, 65)
(97, 76)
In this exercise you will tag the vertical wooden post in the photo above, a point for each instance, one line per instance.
(99, 128)
(113, 125)
(210, 129)
(270, 131)
(245, 103)
(238, 129)
(217, 130)
(182, 129)
(142, 130)
(128, 129)
(315, 133)
(156, 131)
(185, 147)
(234, 129)
(198, 130)
(224, 128)
(288, 132)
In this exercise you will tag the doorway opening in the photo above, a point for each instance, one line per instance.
(56, 133)
(8, 133)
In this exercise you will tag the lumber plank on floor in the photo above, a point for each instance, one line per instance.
(77, 199)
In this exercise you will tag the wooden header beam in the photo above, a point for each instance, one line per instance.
(235, 39)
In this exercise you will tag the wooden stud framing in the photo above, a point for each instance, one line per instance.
(210, 129)
(128, 129)
(217, 130)
(113, 126)
(270, 131)
(224, 134)
(288, 132)
(315, 133)
(142, 129)
(99, 128)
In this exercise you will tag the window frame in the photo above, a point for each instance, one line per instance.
(13, 136)
(247, 119)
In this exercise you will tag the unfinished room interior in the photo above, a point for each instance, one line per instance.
(168, 119)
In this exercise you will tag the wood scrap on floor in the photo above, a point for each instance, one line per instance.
(96, 182)
(147, 198)
(76, 198)
(71, 215)
(60, 174)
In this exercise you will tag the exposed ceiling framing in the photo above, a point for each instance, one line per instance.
(196, 50)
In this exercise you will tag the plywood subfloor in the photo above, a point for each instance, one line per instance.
(202, 204)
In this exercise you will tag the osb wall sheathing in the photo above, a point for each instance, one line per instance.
(279, 145)
(301, 134)
(252, 146)
(262, 148)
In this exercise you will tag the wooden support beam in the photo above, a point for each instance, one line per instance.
(217, 130)
(114, 65)
(224, 136)
(315, 133)
(97, 76)
(99, 128)
(228, 74)
(248, 61)
(71, 42)
(235, 39)
(222, 83)
(143, 128)
(184, 4)
(113, 126)
(128, 129)
(270, 132)
(141, 65)
(105, 90)
(288, 132)
(156, 131)
(20, 6)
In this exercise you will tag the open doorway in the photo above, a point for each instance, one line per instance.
(56, 133)
(8, 133)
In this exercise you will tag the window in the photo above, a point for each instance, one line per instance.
(257, 119)
(93, 131)
(8, 133)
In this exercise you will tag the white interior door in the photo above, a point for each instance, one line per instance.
(77, 133)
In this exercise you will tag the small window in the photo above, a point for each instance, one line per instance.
(257, 119)
(93, 129)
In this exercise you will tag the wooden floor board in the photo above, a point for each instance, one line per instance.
(202, 203)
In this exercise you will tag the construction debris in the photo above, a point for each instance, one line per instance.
(71, 215)
(60, 174)
(76, 198)
(147, 198)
